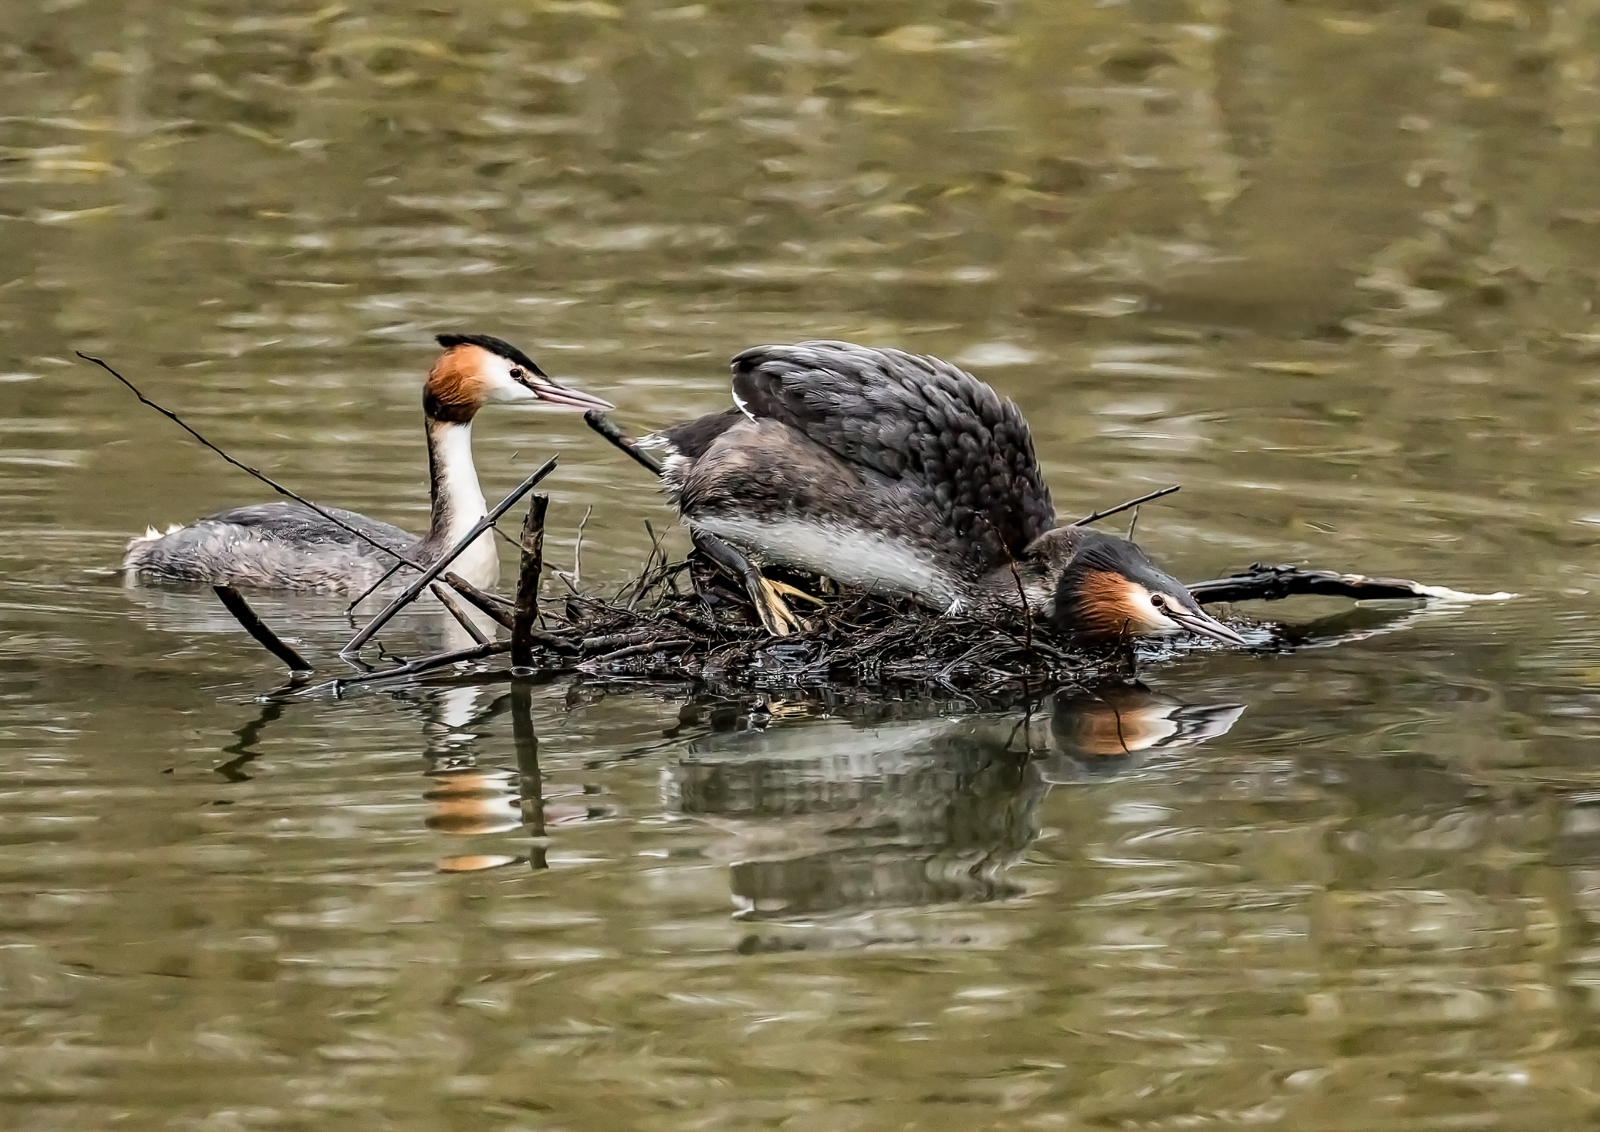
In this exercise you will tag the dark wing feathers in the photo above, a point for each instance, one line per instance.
(938, 430)
(692, 438)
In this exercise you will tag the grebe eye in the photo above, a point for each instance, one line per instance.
(518, 373)
(1158, 601)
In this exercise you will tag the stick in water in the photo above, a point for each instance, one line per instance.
(257, 628)
(453, 607)
(1098, 515)
(412, 667)
(531, 564)
(1261, 582)
(260, 475)
(450, 556)
(597, 420)
(492, 604)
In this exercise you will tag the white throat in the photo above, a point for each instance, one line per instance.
(458, 503)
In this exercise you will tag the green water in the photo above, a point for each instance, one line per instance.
(1331, 267)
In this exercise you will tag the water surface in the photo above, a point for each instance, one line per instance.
(1331, 267)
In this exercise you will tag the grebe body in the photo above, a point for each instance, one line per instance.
(291, 547)
(905, 475)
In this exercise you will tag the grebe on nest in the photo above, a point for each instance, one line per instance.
(905, 475)
(289, 546)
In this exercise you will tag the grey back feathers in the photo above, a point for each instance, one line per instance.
(943, 435)
(273, 546)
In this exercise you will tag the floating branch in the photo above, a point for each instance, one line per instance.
(532, 563)
(1109, 511)
(413, 667)
(439, 567)
(1260, 582)
(597, 420)
(402, 560)
(260, 630)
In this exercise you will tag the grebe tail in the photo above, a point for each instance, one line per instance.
(291, 547)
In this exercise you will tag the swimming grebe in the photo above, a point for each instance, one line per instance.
(289, 546)
(906, 475)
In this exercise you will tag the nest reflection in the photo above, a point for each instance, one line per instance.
(901, 807)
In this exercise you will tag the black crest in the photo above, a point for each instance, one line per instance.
(1100, 552)
(494, 346)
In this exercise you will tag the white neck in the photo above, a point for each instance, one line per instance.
(458, 503)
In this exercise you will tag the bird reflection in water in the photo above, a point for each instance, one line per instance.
(1093, 736)
(466, 799)
(886, 805)
(466, 796)
(839, 827)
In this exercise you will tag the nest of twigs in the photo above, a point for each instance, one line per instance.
(682, 620)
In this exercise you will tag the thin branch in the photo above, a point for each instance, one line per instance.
(450, 555)
(421, 664)
(1027, 610)
(577, 548)
(257, 628)
(256, 472)
(370, 590)
(1098, 515)
(608, 641)
(597, 420)
(492, 604)
(455, 610)
(635, 650)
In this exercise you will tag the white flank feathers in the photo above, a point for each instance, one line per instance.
(845, 554)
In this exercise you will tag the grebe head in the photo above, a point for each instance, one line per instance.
(476, 369)
(1110, 589)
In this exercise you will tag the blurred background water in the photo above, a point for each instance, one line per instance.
(1331, 266)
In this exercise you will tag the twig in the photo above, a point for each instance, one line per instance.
(495, 606)
(577, 548)
(384, 577)
(1098, 515)
(449, 556)
(256, 472)
(412, 667)
(531, 565)
(609, 641)
(458, 613)
(1027, 610)
(635, 650)
(257, 628)
(597, 420)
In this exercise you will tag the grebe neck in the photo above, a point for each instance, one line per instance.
(457, 503)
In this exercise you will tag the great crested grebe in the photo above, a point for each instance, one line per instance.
(902, 474)
(291, 547)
